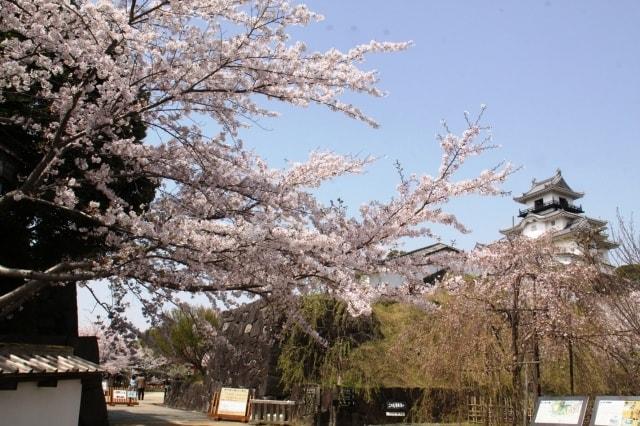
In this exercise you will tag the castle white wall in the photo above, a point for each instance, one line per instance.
(604, 256)
(568, 246)
(31, 405)
(548, 197)
(534, 229)
(395, 280)
(538, 227)
(392, 280)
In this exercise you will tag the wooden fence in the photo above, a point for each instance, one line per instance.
(492, 411)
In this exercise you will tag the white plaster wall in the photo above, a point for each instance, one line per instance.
(395, 280)
(537, 228)
(604, 256)
(534, 229)
(550, 196)
(30, 405)
(547, 197)
(568, 246)
(556, 224)
(392, 280)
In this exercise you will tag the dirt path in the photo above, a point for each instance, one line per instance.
(152, 412)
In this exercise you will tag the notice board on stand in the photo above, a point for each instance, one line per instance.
(230, 404)
(616, 411)
(559, 411)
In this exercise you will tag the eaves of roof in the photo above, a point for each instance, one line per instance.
(27, 360)
(533, 217)
(533, 194)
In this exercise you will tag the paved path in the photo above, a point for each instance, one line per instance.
(152, 412)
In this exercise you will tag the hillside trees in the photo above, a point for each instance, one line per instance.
(322, 358)
(187, 335)
(220, 220)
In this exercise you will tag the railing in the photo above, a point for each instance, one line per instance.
(272, 412)
(572, 208)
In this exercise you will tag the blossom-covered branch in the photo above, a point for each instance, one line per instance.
(194, 211)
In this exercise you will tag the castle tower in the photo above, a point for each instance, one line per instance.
(550, 208)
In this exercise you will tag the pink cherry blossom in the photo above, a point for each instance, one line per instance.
(223, 222)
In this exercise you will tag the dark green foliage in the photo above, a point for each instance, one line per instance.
(186, 336)
(305, 359)
(629, 272)
(35, 235)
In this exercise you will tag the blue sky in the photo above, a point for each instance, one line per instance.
(561, 80)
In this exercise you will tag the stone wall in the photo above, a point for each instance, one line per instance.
(246, 358)
(249, 360)
(188, 395)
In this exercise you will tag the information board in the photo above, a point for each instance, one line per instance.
(119, 394)
(396, 409)
(616, 411)
(560, 410)
(346, 397)
(233, 402)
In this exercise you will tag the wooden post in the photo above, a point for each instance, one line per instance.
(571, 376)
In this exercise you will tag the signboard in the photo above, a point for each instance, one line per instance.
(616, 411)
(560, 410)
(395, 409)
(346, 397)
(119, 394)
(233, 402)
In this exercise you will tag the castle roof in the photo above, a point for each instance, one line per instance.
(432, 249)
(555, 183)
(577, 220)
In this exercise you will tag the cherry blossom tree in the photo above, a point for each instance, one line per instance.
(523, 292)
(221, 222)
(627, 237)
(118, 352)
(623, 289)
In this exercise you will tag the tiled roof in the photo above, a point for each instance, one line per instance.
(39, 359)
(431, 249)
(556, 182)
